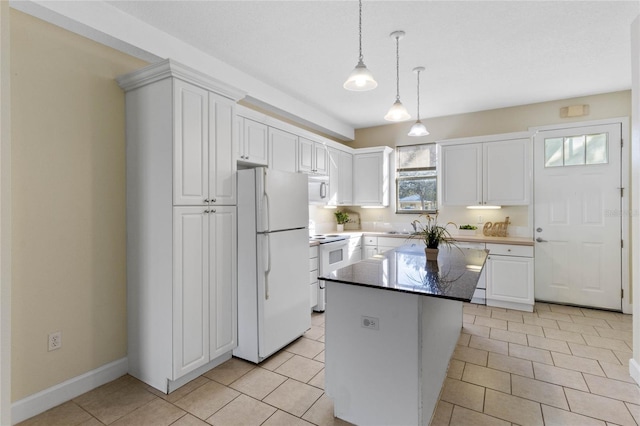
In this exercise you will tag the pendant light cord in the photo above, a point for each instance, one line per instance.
(360, 28)
(418, 95)
(397, 69)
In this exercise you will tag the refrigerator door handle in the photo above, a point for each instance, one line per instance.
(268, 269)
(323, 191)
(266, 213)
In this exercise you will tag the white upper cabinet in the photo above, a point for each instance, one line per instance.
(312, 157)
(191, 144)
(495, 172)
(507, 172)
(283, 148)
(252, 145)
(222, 163)
(371, 177)
(460, 169)
(204, 165)
(340, 178)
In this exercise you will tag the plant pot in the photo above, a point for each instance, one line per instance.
(340, 227)
(432, 254)
(467, 232)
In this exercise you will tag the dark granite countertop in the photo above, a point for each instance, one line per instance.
(405, 269)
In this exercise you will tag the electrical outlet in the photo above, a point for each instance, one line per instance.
(479, 219)
(370, 322)
(55, 340)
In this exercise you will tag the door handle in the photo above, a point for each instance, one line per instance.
(540, 240)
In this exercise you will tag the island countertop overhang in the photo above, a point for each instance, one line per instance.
(405, 269)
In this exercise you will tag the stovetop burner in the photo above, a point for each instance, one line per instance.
(327, 238)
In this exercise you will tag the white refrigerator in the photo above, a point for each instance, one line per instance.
(273, 261)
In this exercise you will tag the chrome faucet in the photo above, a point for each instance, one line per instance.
(414, 226)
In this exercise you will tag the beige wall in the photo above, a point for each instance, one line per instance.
(68, 204)
(503, 120)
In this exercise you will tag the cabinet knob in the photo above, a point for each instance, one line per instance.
(213, 200)
(206, 211)
(213, 210)
(206, 200)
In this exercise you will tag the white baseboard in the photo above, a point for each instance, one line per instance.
(65, 391)
(634, 370)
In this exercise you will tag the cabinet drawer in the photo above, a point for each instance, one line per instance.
(313, 251)
(370, 241)
(510, 250)
(313, 264)
(313, 276)
(467, 245)
(394, 242)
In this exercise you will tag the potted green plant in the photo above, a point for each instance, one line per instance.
(467, 230)
(342, 218)
(433, 234)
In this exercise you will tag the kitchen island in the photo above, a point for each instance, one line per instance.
(392, 323)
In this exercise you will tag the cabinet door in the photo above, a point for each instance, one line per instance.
(510, 279)
(190, 289)
(320, 159)
(255, 146)
(282, 150)
(368, 179)
(222, 161)
(345, 181)
(460, 170)
(223, 289)
(305, 155)
(335, 174)
(369, 252)
(507, 172)
(190, 144)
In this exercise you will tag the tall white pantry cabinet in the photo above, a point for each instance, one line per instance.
(181, 223)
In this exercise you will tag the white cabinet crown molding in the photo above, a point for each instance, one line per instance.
(486, 138)
(171, 68)
(260, 117)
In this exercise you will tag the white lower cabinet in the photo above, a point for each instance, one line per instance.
(313, 275)
(204, 286)
(354, 250)
(479, 296)
(510, 277)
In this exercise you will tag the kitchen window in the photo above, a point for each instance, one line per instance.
(416, 179)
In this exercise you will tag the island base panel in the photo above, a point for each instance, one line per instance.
(392, 374)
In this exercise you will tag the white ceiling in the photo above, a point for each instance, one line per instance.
(478, 55)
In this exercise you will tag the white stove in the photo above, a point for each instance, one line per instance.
(327, 238)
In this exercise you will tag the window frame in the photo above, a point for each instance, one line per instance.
(400, 179)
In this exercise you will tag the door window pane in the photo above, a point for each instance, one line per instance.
(574, 148)
(553, 152)
(597, 149)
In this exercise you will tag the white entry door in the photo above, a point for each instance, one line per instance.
(578, 254)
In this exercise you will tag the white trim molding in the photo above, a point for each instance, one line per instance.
(65, 391)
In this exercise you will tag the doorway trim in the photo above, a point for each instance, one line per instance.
(627, 307)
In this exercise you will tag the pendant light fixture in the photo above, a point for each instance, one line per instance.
(418, 129)
(397, 112)
(360, 78)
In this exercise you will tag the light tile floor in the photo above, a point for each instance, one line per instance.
(556, 366)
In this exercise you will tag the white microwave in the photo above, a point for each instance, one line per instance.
(318, 190)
